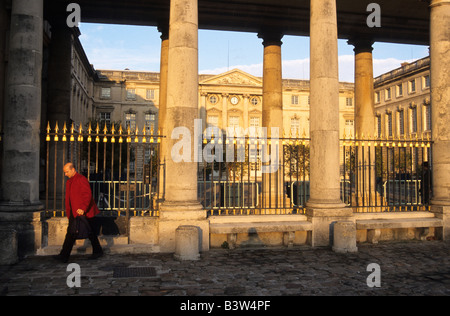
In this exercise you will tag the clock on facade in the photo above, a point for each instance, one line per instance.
(234, 100)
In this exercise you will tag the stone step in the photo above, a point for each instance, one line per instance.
(110, 244)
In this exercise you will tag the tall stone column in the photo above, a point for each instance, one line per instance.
(4, 26)
(440, 100)
(181, 206)
(325, 205)
(162, 114)
(60, 101)
(22, 118)
(273, 189)
(365, 120)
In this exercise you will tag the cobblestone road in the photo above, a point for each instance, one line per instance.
(409, 268)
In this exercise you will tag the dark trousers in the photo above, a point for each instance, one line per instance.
(71, 239)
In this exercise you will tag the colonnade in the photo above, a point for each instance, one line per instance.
(179, 108)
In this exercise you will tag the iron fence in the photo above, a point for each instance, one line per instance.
(237, 175)
(386, 175)
(263, 176)
(122, 166)
(376, 175)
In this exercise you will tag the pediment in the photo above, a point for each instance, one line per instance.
(233, 77)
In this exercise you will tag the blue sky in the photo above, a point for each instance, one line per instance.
(138, 48)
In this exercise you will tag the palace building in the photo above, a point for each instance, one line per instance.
(231, 99)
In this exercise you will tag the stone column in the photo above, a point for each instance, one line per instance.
(273, 189)
(440, 100)
(325, 205)
(364, 102)
(181, 206)
(22, 118)
(4, 26)
(60, 101)
(162, 114)
(365, 120)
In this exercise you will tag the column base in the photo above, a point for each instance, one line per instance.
(323, 220)
(26, 220)
(442, 212)
(176, 214)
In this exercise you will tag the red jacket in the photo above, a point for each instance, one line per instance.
(79, 197)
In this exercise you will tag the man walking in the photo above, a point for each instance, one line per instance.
(79, 202)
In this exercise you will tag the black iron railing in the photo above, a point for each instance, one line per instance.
(385, 175)
(122, 166)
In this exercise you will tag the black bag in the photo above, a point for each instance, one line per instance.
(79, 227)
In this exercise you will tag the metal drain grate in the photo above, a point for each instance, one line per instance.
(143, 272)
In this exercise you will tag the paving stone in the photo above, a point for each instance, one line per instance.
(409, 268)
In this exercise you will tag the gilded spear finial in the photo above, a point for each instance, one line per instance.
(56, 132)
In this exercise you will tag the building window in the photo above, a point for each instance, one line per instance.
(414, 120)
(105, 118)
(255, 122)
(379, 125)
(233, 121)
(131, 94)
(426, 82)
(254, 101)
(400, 90)
(213, 99)
(212, 121)
(389, 124)
(105, 93)
(401, 122)
(150, 94)
(377, 97)
(349, 101)
(412, 86)
(150, 122)
(130, 121)
(387, 94)
(428, 118)
(294, 100)
(295, 126)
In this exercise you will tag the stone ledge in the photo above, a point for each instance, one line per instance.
(398, 223)
(260, 227)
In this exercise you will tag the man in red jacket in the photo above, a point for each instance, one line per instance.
(79, 202)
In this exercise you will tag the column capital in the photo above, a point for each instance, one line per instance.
(362, 45)
(435, 3)
(163, 28)
(271, 37)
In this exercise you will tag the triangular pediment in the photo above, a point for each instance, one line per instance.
(233, 77)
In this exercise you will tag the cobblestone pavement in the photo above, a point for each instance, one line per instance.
(408, 268)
